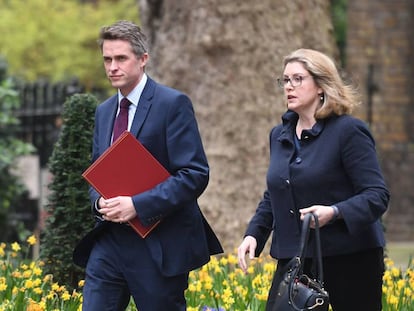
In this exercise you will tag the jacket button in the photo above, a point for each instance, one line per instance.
(291, 212)
(298, 160)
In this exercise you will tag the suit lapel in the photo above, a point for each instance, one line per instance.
(110, 119)
(143, 108)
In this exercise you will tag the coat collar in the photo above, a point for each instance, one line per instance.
(289, 121)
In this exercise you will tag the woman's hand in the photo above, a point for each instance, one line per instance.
(324, 213)
(248, 245)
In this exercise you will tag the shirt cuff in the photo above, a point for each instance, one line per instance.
(95, 209)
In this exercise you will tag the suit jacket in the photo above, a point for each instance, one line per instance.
(336, 165)
(165, 124)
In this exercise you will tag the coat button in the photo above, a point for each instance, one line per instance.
(298, 160)
(291, 212)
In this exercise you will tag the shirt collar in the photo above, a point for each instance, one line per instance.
(135, 94)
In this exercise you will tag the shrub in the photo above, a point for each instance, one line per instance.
(68, 208)
(11, 189)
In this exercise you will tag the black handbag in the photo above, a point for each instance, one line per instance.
(297, 291)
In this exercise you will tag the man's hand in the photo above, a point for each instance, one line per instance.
(117, 209)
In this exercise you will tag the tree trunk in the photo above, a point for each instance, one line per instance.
(226, 55)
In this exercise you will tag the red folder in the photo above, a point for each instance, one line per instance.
(126, 168)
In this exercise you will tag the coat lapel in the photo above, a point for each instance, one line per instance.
(110, 119)
(143, 108)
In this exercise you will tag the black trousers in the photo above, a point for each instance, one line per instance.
(353, 281)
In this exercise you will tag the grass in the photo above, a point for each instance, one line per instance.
(400, 252)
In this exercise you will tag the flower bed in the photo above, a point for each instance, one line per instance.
(218, 286)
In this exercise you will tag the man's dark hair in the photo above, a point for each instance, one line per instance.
(127, 31)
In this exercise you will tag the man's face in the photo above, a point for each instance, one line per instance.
(122, 67)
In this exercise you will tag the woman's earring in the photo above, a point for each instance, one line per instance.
(322, 97)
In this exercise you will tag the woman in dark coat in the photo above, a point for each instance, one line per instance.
(323, 160)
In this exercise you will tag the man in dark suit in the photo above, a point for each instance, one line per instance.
(119, 263)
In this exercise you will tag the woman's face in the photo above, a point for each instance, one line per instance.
(302, 93)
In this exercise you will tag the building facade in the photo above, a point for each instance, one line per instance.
(380, 59)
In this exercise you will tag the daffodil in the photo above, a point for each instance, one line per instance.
(15, 247)
(220, 285)
(31, 240)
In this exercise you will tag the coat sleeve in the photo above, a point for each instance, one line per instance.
(261, 224)
(361, 164)
(186, 162)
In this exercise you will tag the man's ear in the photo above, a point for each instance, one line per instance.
(144, 59)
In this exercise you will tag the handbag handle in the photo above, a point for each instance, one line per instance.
(301, 258)
(304, 242)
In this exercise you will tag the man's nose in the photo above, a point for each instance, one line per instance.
(114, 65)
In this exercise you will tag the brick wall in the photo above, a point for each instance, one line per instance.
(380, 35)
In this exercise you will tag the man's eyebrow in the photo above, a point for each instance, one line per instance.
(115, 56)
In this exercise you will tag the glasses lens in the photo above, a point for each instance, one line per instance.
(296, 81)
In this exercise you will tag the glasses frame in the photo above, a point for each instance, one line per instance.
(295, 81)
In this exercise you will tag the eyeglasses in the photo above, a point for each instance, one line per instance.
(295, 81)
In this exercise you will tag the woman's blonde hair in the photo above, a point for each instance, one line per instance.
(339, 98)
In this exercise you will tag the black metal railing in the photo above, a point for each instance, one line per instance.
(39, 113)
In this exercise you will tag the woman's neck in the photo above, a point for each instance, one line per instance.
(304, 124)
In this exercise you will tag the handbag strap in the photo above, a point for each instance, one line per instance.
(304, 243)
(301, 259)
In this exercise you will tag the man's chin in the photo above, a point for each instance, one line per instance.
(116, 84)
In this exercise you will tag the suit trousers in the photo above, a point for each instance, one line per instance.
(353, 281)
(119, 266)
